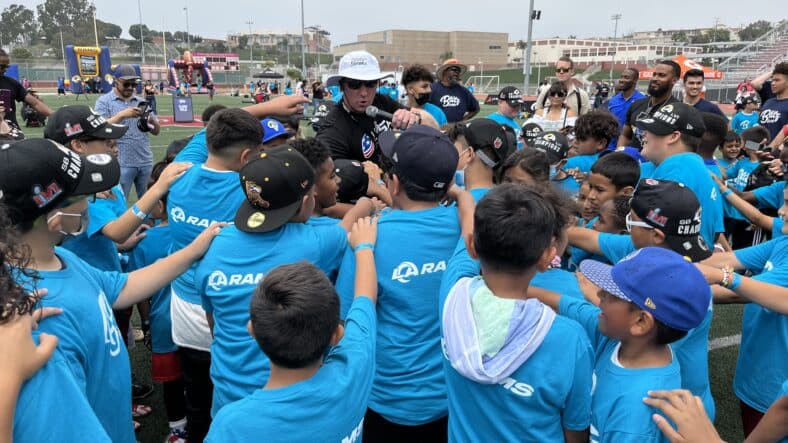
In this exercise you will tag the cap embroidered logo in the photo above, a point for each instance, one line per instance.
(650, 303)
(497, 143)
(256, 219)
(43, 196)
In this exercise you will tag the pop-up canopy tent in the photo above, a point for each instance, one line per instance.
(687, 64)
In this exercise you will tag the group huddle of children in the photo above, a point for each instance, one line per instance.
(339, 301)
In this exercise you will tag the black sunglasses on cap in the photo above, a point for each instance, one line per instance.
(357, 84)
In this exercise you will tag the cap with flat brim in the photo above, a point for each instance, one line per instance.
(286, 134)
(100, 173)
(110, 131)
(601, 274)
(693, 247)
(250, 218)
(655, 126)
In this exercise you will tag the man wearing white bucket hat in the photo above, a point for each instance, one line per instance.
(348, 131)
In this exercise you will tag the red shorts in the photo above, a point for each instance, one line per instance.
(165, 367)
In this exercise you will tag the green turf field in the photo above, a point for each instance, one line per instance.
(726, 324)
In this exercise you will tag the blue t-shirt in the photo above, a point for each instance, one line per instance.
(199, 198)
(615, 246)
(90, 339)
(411, 253)
(777, 227)
(647, 170)
(706, 106)
(712, 166)
(560, 281)
(61, 83)
(92, 246)
(454, 100)
(583, 162)
(226, 280)
(619, 106)
(52, 407)
(568, 185)
(688, 168)
(774, 115)
(549, 392)
(156, 245)
(743, 121)
(725, 163)
(771, 196)
(618, 413)
(436, 113)
(329, 406)
(739, 174)
(762, 366)
(510, 122)
(577, 255)
(196, 151)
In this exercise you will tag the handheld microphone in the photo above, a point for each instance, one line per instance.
(374, 112)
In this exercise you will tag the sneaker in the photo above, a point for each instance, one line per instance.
(140, 390)
(176, 435)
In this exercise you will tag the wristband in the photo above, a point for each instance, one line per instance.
(735, 282)
(138, 212)
(381, 182)
(362, 246)
(727, 193)
(726, 277)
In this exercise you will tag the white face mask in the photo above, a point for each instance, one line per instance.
(83, 222)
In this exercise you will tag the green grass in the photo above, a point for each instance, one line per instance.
(727, 319)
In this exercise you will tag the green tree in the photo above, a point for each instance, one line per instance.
(134, 32)
(295, 74)
(243, 41)
(73, 17)
(680, 36)
(19, 25)
(755, 30)
(21, 54)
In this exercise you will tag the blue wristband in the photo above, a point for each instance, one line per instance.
(138, 212)
(727, 193)
(362, 246)
(735, 282)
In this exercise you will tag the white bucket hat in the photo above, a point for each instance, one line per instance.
(359, 65)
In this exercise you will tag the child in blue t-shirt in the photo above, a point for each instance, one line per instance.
(482, 147)
(639, 316)
(730, 151)
(165, 362)
(88, 334)
(594, 131)
(321, 369)
(739, 174)
(415, 241)
(270, 227)
(513, 355)
(748, 117)
(773, 225)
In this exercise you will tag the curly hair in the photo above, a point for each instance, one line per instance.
(598, 125)
(621, 208)
(313, 150)
(416, 73)
(15, 258)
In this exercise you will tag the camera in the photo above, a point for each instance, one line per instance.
(142, 123)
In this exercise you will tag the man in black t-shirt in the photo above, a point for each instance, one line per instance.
(347, 130)
(660, 92)
(11, 91)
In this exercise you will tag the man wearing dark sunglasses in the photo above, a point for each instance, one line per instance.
(11, 91)
(576, 96)
(122, 106)
(347, 130)
(448, 93)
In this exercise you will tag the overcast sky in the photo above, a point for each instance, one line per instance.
(345, 19)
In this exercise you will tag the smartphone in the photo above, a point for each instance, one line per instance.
(6, 99)
(753, 146)
(143, 105)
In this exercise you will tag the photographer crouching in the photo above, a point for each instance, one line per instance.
(122, 106)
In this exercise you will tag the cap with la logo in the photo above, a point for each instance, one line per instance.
(274, 185)
(673, 117)
(552, 143)
(80, 122)
(273, 128)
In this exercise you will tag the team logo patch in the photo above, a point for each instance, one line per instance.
(99, 159)
(43, 196)
(273, 125)
(549, 137)
(652, 182)
(667, 109)
(253, 191)
(72, 130)
(497, 143)
(657, 218)
(255, 220)
(650, 303)
(367, 146)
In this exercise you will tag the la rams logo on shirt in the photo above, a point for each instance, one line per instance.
(111, 332)
(407, 270)
(367, 146)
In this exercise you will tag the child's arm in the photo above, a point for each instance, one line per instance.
(723, 259)
(362, 239)
(364, 207)
(465, 208)
(585, 239)
(751, 212)
(144, 282)
(120, 230)
(284, 105)
(687, 411)
(773, 426)
(770, 296)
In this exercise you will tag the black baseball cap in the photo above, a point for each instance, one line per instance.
(37, 175)
(554, 144)
(674, 209)
(126, 72)
(354, 181)
(488, 139)
(511, 95)
(530, 131)
(423, 156)
(673, 117)
(274, 185)
(72, 122)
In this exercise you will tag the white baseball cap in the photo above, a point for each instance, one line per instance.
(359, 65)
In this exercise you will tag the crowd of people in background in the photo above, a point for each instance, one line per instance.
(413, 272)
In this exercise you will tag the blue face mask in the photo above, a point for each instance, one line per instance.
(553, 172)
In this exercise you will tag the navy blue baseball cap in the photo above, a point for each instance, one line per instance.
(422, 155)
(273, 128)
(659, 281)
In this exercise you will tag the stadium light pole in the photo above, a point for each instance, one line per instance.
(188, 35)
(303, 43)
(529, 47)
(251, 57)
(142, 37)
(615, 18)
(95, 28)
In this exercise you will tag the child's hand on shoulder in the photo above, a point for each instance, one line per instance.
(22, 357)
(172, 172)
(200, 244)
(365, 230)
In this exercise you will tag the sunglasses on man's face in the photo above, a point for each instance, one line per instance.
(562, 70)
(558, 94)
(357, 84)
(127, 85)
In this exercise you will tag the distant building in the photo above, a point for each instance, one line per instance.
(588, 52)
(671, 36)
(316, 39)
(394, 47)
